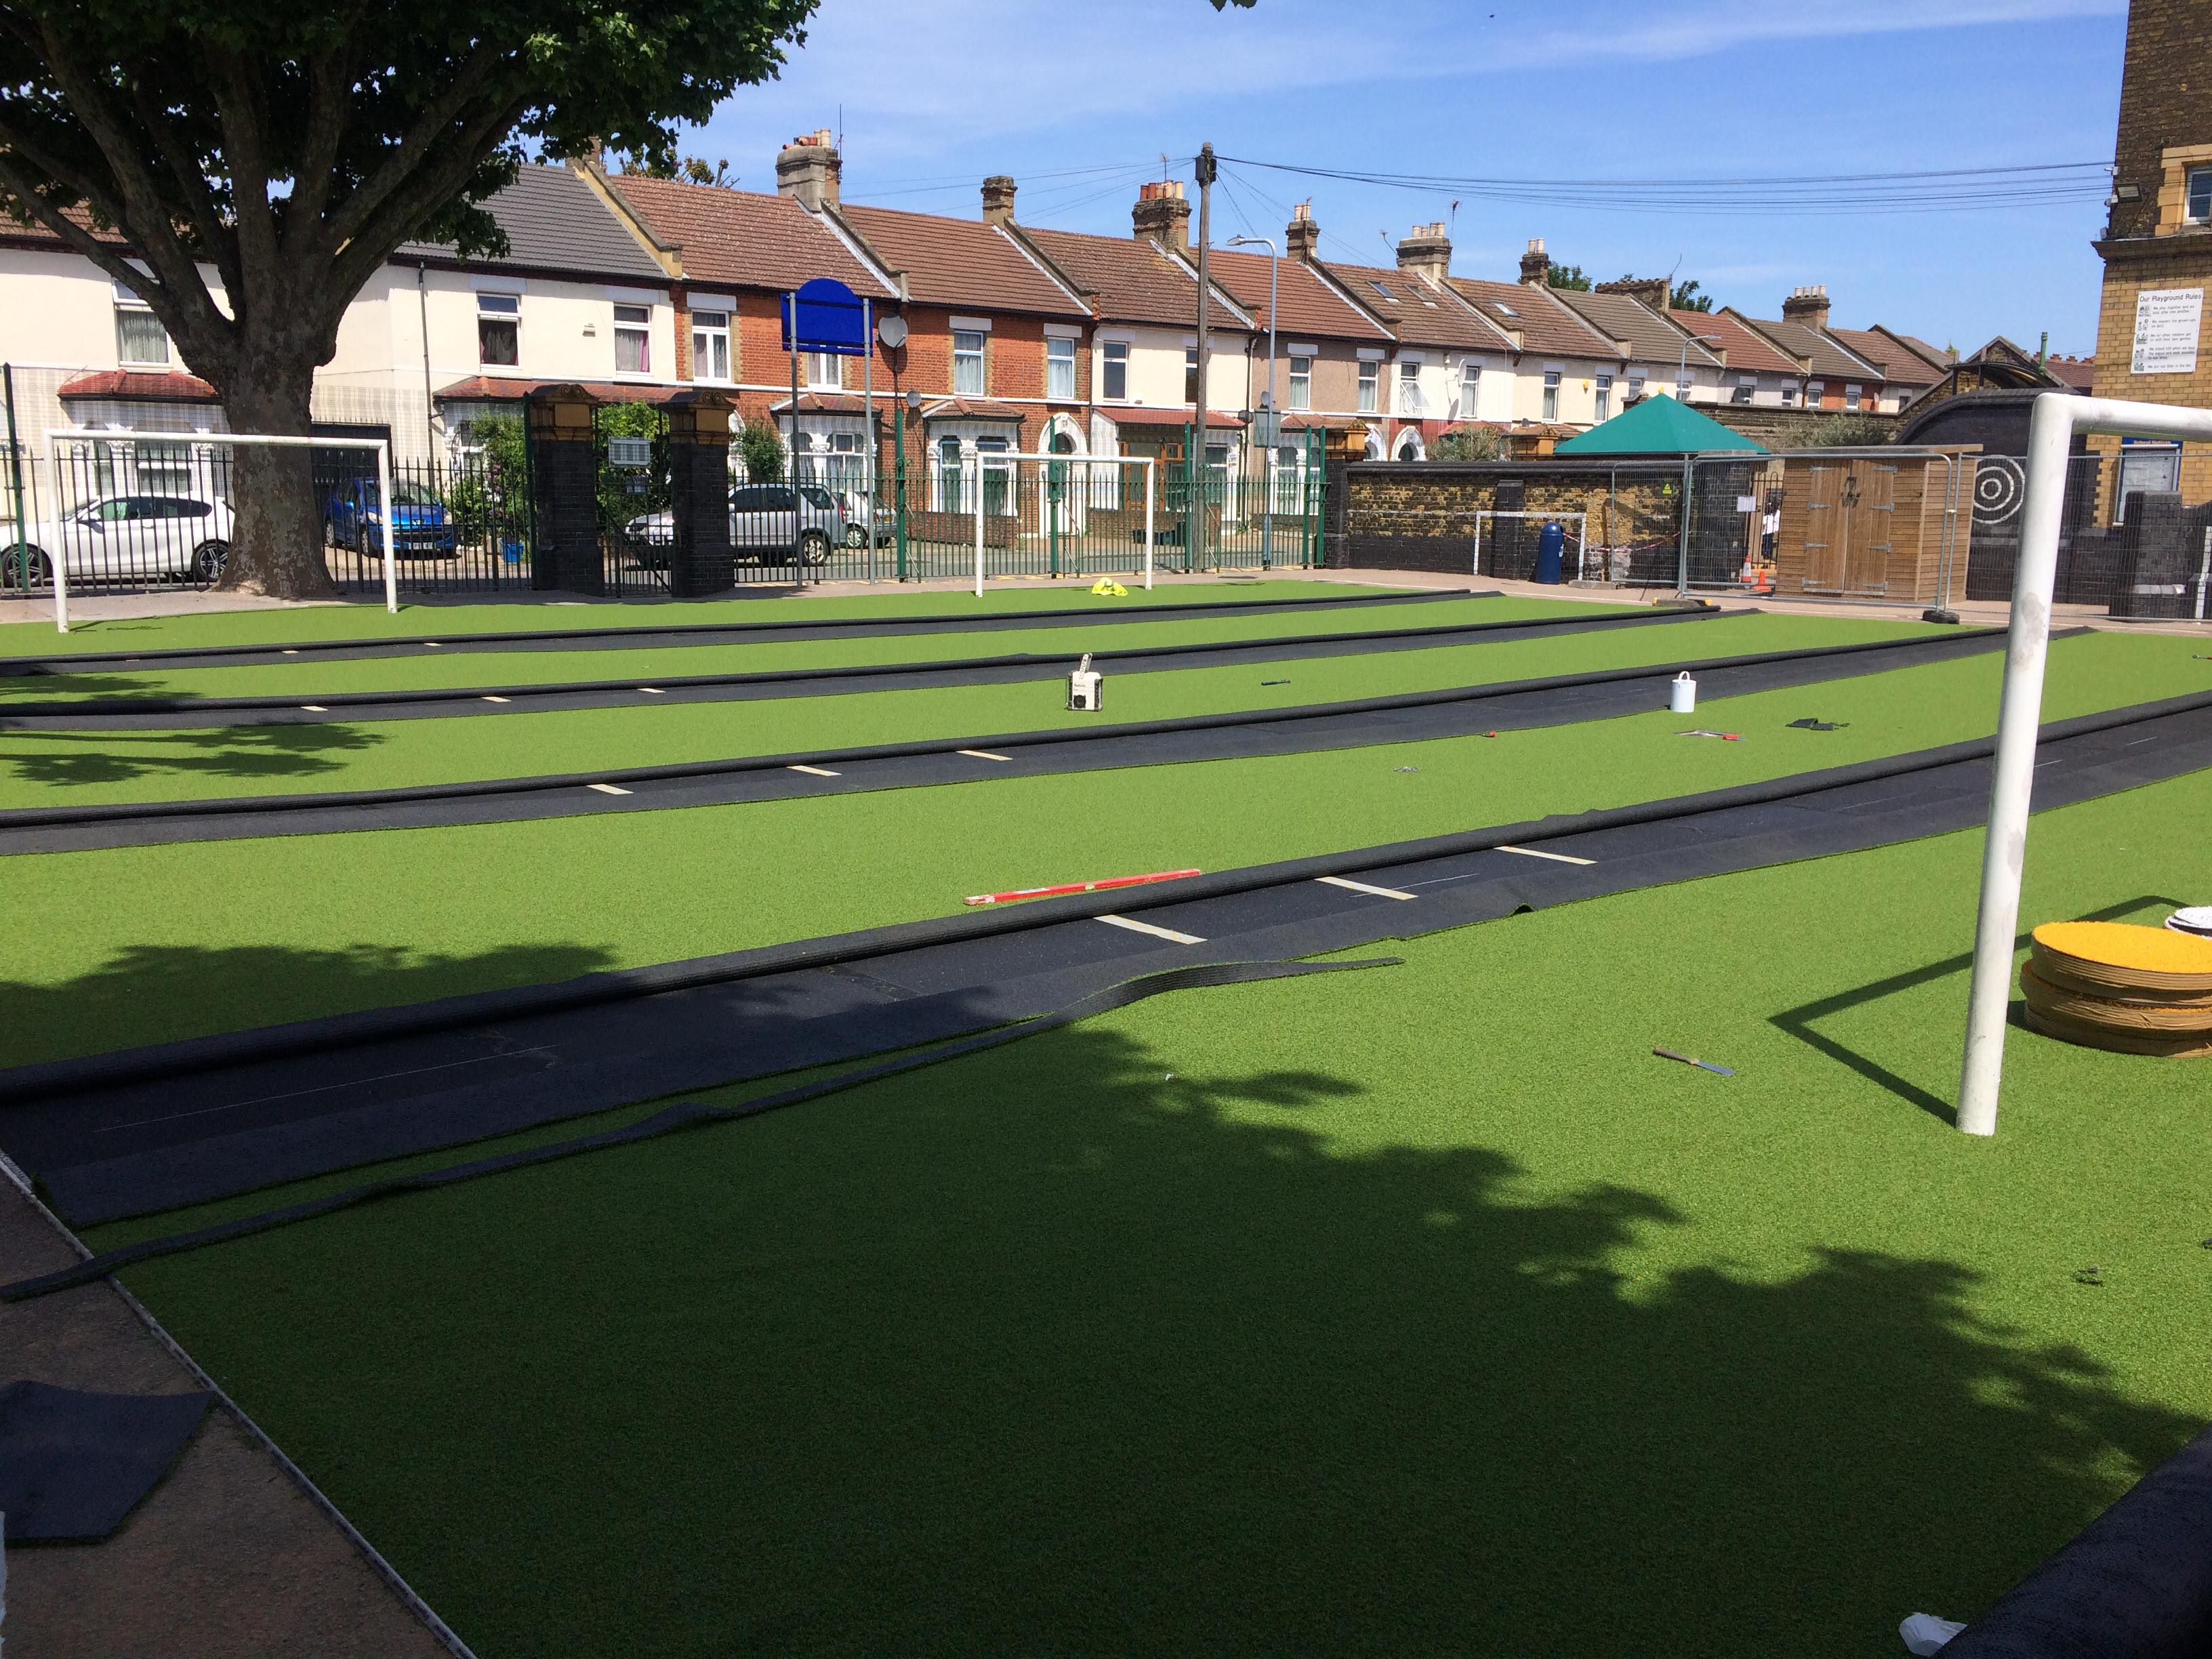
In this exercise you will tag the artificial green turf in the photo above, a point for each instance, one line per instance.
(367, 619)
(1418, 1310)
(45, 769)
(142, 945)
(308, 679)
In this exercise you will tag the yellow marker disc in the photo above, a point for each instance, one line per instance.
(2101, 954)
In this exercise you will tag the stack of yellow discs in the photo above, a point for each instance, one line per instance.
(2137, 990)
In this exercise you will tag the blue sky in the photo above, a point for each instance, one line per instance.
(935, 93)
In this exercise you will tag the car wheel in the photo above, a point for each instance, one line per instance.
(361, 543)
(11, 571)
(814, 547)
(856, 535)
(207, 561)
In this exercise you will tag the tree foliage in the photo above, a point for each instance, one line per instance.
(1851, 430)
(246, 168)
(1469, 443)
(760, 447)
(1684, 296)
(1568, 276)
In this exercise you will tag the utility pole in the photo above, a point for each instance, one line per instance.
(1194, 532)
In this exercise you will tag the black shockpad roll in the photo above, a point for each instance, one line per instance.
(2136, 1584)
(73, 1464)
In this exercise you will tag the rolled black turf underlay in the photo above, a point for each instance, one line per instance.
(132, 714)
(144, 1130)
(1410, 717)
(636, 637)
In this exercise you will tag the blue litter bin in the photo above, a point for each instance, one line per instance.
(1551, 552)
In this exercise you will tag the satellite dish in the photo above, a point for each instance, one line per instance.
(891, 331)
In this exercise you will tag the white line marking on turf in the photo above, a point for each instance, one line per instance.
(816, 771)
(1361, 887)
(1134, 926)
(652, 691)
(981, 754)
(1531, 853)
(314, 708)
(490, 698)
(289, 650)
(607, 788)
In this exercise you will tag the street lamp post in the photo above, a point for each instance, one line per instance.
(1268, 400)
(1682, 368)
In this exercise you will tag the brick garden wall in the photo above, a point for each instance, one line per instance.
(1420, 515)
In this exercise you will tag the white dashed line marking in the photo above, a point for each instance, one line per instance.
(816, 771)
(1556, 858)
(1167, 934)
(289, 650)
(981, 754)
(652, 691)
(490, 698)
(314, 708)
(607, 788)
(1361, 887)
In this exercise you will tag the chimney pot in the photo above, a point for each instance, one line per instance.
(1652, 291)
(1302, 236)
(1807, 304)
(1162, 215)
(999, 200)
(1426, 254)
(809, 167)
(1536, 265)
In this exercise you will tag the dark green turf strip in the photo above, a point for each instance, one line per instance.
(1367, 1313)
(114, 949)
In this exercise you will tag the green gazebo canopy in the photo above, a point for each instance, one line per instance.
(1658, 426)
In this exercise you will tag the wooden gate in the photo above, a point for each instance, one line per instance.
(1849, 526)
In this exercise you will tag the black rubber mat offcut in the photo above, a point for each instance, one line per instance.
(74, 1465)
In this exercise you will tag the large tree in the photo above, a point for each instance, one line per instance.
(246, 168)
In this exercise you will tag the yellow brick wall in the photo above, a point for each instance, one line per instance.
(2187, 263)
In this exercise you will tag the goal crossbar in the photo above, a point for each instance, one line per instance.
(382, 446)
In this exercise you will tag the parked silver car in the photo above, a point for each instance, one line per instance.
(764, 521)
(180, 538)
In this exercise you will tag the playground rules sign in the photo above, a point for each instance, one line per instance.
(2168, 321)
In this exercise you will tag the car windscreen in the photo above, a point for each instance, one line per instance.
(816, 495)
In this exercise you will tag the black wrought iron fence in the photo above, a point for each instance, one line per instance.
(459, 524)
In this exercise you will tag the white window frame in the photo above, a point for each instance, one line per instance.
(826, 371)
(1635, 388)
(1059, 363)
(1603, 406)
(1788, 394)
(1551, 378)
(1370, 387)
(1854, 395)
(1113, 364)
(978, 355)
(1190, 375)
(1470, 389)
(2196, 195)
(636, 328)
(1300, 392)
(707, 334)
(1815, 392)
(1410, 400)
(136, 308)
(1744, 389)
(494, 306)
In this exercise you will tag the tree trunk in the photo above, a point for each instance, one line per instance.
(278, 536)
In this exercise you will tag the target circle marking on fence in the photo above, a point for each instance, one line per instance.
(1999, 486)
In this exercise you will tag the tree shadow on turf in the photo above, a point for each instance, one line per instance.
(243, 752)
(1064, 1348)
(52, 684)
(157, 993)
(1799, 1022)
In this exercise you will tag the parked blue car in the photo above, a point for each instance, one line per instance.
(420, 526)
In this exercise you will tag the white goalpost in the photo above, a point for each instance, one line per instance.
(1008, 461)
(56, 436)
(2058, 418)
(1581, 522)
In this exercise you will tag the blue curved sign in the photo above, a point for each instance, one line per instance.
(831, 319)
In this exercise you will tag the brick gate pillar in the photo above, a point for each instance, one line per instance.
(564, 479)
(700, 560)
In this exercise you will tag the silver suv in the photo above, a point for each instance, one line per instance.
(763, 524)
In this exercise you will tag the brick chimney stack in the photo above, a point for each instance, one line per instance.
(1536, 265)
(1808, 306)
(809, 167)
(1162, 215)
(997, 200)
(1426, 252)
(1653, 291)
(1302, 236)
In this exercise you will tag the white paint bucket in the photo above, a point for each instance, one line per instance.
(1683, 694)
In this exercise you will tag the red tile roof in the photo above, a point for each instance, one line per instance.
(1900, 365)
(1419, 314)
(742, 238)
(1131, 281)
(141, 387)
(972, 409)
(1623, 317)
(1546, 326)
(834, 403)
(1309, 305)
(1133, 415)
(505, 389)
(961, 262)
(1748, 349)
(1831, 361)
(2079, 372)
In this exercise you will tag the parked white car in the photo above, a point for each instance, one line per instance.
(119, 538)
(763, 520)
